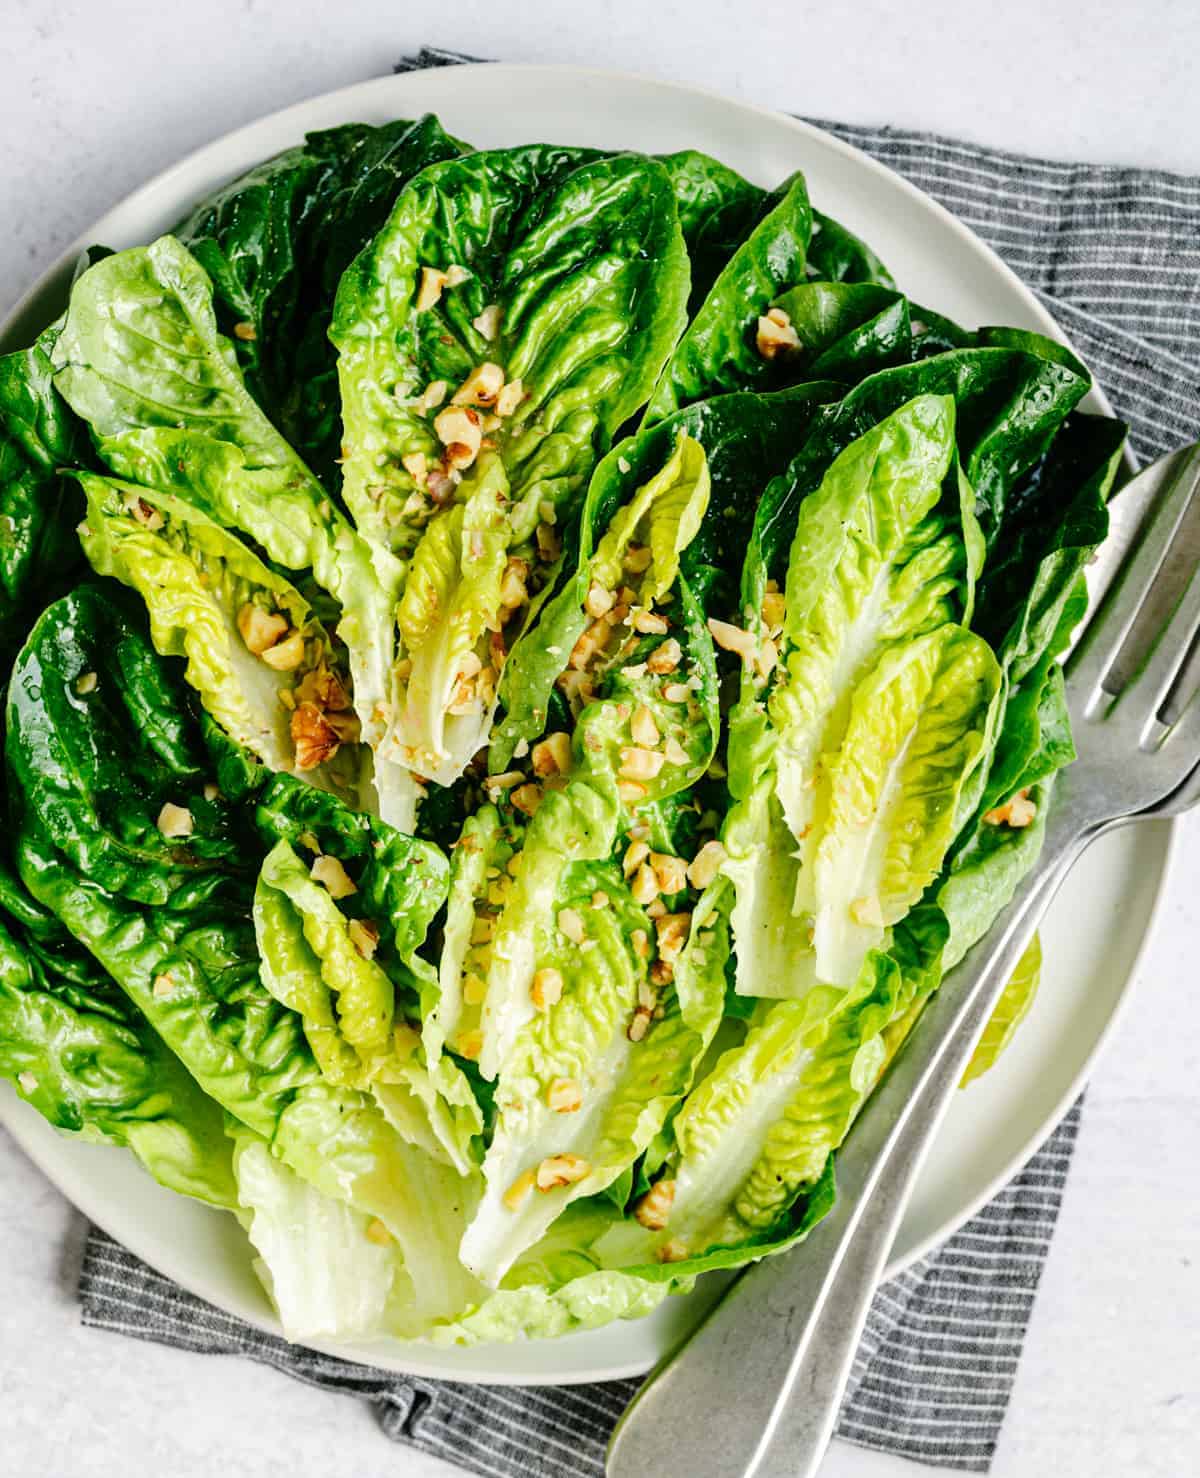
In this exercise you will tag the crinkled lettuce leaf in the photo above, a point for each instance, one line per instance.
(139, 358)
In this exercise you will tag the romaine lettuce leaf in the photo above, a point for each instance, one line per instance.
(263, 665)
(1011, 1010)
(541, 294)
(140, 359)
(717, 351)
(276, 240)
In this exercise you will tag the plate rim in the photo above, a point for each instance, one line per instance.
(405, 1357)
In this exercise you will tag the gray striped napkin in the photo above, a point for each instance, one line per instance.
(1115, 254)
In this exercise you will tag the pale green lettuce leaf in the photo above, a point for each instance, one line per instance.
(1011, 1010)
(330, 1273)
(626, 1087)
(196, 579)
(139, 358)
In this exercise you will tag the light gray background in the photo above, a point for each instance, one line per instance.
(95, 98)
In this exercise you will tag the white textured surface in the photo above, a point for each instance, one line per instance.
(96, 97)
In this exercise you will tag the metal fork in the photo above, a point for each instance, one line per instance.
(756, 1390)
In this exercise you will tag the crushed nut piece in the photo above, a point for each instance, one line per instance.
(649, 623)
(775, 335)
(665, 657)
(548, 543)
(86, 683)
(364, 936)
(519, 1191)
(635, 854)
(510, 398)
(513, 592)
(675, 752)
(676, 692)
(564, 1096)
(164, 984)
(547, 988)
(552, 756)
(644, 888)
(212, 792)
(642, 727)
(245, 331)
(589, 645)
(640, 764)
(599, 601)
(560, 1170)
(669, 872)
(654, 1209)
(435, 392)
(570, 923)
(631, 792)
(315, 738)
(285, 655)
(416, 464)
(175, 821)
(662, 972)
(430, 291)
(488, 322)
(260, 629)
(641, 944)
(773, 611)
(460, 433)
(495, 784)
(527, 798)
(27, 1083)
(672, 930)
(1018, 812)
(706, 864)
(733, 639)
(672, 1251)
(481, 387)
(640, 1024)
(333, 877)
(637, 558)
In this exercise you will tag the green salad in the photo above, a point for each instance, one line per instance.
(524, 670)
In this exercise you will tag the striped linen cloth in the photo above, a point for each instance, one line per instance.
(1115, 255)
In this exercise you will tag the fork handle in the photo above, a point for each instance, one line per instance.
(756, 1390)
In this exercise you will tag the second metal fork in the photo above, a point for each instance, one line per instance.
(774, 1357)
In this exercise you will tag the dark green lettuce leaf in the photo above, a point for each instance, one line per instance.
(275, 242)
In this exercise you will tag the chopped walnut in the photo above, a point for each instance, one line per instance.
(564, 1096)
(285, 655)
(733, 639)
(364, 936)
(245, 331)
(482, 386)
(496, 784)
(548, 543)
(527, 798)
(260, 629)
(416, 464)
(1018, 812)
(665, 657)
(641, 944)
(488, 322)
(560, 1170)
(599, 601)
(570, 923)
(775, 334)
(637, 558)
(631, 792)
(672, 930)
(649, 623)
(773, 610)
(654, 1209)
(640, 1024)
(430, 291)
(706, 864)
(676, 692)
(86, 683)
(175, 821)
(642, 728)
(590, 644)
(460, 433)
(333, 877)
(672, 1251)
(510, 398)
(314, 737)
(552, 756)
(670, 873)
(635, 854)
(640, 764)
(547, 988)
(164, 984)
(435, 392)
(644, 887)
(675, 752)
